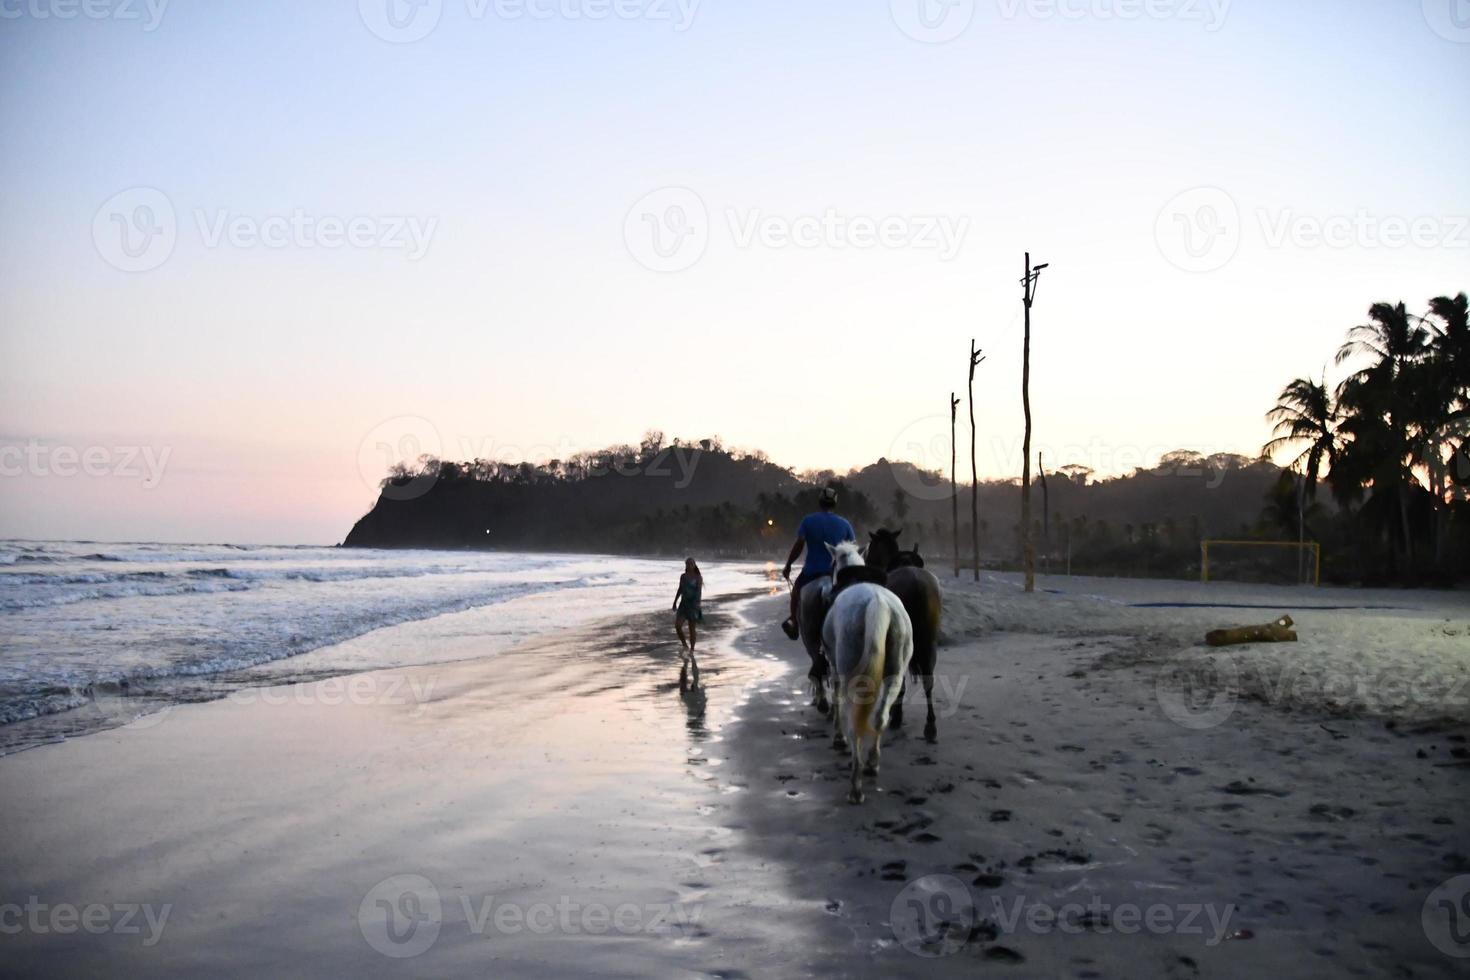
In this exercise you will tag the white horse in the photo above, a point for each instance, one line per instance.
(869, 641)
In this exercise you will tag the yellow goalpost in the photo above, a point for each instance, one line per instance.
(1312, 546)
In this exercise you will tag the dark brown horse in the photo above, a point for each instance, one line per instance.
(923, 600)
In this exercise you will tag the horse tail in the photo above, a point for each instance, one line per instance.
(869, 672)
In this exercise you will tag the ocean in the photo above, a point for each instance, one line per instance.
(95, 635)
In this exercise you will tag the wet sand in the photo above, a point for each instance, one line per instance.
(553, 811)
(568, 809)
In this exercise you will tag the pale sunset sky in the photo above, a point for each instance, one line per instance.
(248, 245)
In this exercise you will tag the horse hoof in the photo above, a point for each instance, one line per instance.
(870, 770)
(931, 735)
(855, 797)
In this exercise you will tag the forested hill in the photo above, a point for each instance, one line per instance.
(703, 498)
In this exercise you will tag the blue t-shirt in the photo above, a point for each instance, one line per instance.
(819, 530)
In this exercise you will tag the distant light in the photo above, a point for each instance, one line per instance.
(770, 522)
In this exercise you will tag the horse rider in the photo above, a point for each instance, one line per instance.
(815, 533)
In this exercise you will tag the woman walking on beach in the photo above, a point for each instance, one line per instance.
(686, 605)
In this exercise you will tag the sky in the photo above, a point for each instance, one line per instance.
(253, 252)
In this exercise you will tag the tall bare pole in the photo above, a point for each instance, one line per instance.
(976, 357)
(954, 493)
(1045, 505)
(1027, 544)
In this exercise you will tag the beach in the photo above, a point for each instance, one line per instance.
(565, 807)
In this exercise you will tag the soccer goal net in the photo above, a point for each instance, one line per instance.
(1275, 562)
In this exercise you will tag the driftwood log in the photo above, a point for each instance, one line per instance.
(1279, 631)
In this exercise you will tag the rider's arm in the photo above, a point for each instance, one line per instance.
(791, 558)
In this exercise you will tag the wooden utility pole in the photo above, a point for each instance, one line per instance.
(954, 493)
(976, 357)
(1028, 546)
(1045, 509)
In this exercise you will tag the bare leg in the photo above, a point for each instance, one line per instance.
(679, 628)
(692, 632)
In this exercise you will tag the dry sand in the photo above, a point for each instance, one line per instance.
(567, 809)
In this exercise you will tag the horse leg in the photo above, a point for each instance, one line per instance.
(895, 714)
(855, 789)
(871, 769)
(931, 730)
(840, 705)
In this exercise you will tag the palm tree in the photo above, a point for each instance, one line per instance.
(1444, 401)
(1378, 404)
(1305, 415)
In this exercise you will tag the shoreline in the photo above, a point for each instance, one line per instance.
(570, 773)
(566, 805)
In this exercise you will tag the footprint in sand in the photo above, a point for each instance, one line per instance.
(1003, 954)
(1237, 788)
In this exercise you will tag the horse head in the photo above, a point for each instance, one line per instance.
(907, 559)
(845, 555)
(883, 547)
